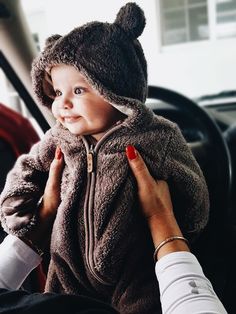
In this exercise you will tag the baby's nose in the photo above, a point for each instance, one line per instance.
(67, 104)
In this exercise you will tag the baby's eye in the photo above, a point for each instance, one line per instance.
(58, 93)
(78, 90)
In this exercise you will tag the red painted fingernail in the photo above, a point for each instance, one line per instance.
(131, 152)
(58, 153)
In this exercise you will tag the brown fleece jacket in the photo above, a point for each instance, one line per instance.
(100, 244)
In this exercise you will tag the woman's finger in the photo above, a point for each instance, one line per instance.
(138, 167)
(56, 169)
(51, 198)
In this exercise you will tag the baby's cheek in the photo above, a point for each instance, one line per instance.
(56, 113)
(58, 118)
(55, 110)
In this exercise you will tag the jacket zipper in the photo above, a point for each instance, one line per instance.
(89, 202)
(89, 222)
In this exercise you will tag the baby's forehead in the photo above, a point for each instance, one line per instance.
(67, 73)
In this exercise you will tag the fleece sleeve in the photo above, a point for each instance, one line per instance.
(187, 184)
(24, 186)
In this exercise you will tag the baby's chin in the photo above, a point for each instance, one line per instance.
(76, 132)
(72, 130)
(97, 134)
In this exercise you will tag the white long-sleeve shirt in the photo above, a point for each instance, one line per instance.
(17, 260)
(183, 286)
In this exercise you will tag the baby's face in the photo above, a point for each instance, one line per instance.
(77, 106)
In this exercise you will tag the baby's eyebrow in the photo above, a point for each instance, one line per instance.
(82, 79)
(81, 85)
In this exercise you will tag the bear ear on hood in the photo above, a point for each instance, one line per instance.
(131, 19)
(50, 41)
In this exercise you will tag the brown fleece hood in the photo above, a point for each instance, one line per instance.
(104, 54)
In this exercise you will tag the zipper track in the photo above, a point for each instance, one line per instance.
(90, 232)
(88, 218)
(89, 201)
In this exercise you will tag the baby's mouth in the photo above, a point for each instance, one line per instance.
(71, 119)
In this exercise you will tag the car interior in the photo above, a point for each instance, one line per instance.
(208, 127)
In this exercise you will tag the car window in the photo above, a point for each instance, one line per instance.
(10, 98)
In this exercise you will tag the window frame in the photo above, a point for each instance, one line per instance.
(212, 24)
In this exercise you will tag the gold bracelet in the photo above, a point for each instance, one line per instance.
(167, 240)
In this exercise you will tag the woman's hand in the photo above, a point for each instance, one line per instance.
(156, 206)
(51, 197)
(40, 233)
(154, 195)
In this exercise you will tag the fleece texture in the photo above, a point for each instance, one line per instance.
(107, 239)
(100, 244)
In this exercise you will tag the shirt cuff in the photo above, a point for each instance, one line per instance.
(183, 286)
(174, 257)
(17, 261)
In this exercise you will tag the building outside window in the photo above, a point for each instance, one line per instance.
(226, 18)
(184, 21)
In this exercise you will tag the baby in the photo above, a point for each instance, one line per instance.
(94, 80)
